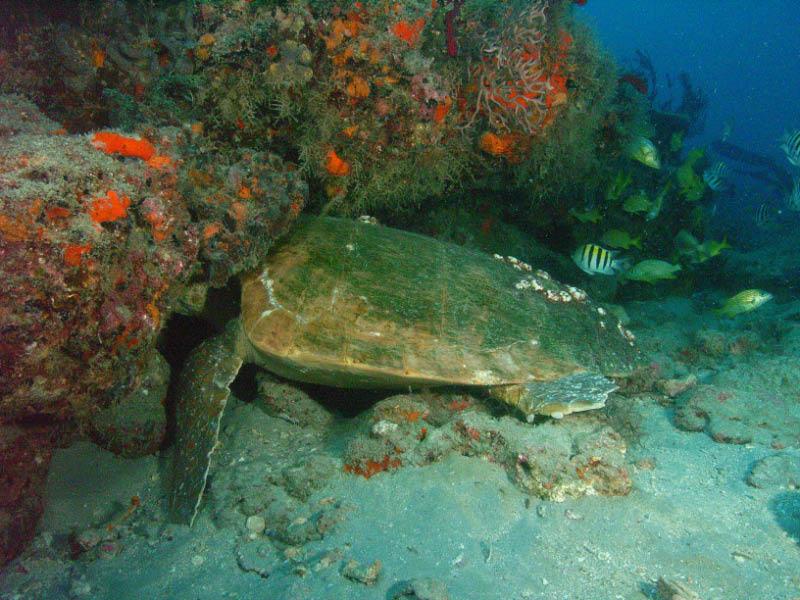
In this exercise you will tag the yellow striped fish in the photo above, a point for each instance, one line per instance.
(743, 302)
(592, 259)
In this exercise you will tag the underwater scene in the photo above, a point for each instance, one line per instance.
(395, 300)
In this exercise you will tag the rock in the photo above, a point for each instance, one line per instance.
(303, 480)
(136, 425)
(570, 460)
(777, 471)
(367, 575)
(675, 387)
(744, 407)
(421, 589)
(87, 540)
(672, 589)
(329, 559)
(24, 458)
(257, 556)
(109, 549)
(292, 404)
(256, 524)
(711, 343)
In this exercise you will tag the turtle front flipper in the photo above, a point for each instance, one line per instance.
(202, 393)
(573, 393)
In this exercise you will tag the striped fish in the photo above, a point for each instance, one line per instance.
(592, 259)
(715, 176)
(793, 199)
(791, 146)
(763, 215)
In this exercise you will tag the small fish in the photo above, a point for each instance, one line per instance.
(743, 302)
(618, 185)
(658, 202)
(589, 215)
(791, 146)
(686, 243)
(645, 152)
(592, 259)
(652, 270)
(727, 129)
(676, 141)
(793, 199)
(766, 215)
(711, 248)
(637, 203)
(715, 176)
(619, 238)
(762, 216)
(690, 185)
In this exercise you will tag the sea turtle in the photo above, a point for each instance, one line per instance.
(352, 304)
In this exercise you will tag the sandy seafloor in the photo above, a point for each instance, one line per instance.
(693, 514)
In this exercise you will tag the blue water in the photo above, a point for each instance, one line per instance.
(744, 54)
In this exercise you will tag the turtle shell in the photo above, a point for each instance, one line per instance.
(351, 304)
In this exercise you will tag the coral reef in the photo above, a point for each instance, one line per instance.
(243, 203)
(382, 108)
(94, 249)
(558, 460)
(101, 236)
(513, 90)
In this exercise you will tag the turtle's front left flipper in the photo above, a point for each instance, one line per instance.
(202, 393)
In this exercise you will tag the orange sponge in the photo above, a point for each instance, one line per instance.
(114, 143)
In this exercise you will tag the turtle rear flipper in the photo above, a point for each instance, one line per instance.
(202, 393)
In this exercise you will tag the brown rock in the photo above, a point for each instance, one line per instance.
(24, 458)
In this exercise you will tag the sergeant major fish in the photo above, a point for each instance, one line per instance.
(762, 215)
(793, 199)
(593, 259)
(766, 215)
(715, 176)
(791, 146)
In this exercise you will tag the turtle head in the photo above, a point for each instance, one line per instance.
(560, 397)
